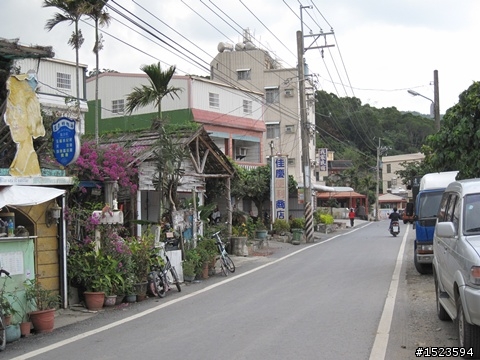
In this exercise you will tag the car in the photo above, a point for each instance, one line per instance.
(456, 262)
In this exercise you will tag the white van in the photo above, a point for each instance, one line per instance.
(456, 263)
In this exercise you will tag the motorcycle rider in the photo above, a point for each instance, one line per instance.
(394, 216)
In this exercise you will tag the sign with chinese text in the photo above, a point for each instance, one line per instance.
(279, 188)
(323, 161)
(66, 142)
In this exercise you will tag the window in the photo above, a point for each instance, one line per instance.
(389, 168)
(118, 106)
(291, 161)
(273, 130)
(243, 74)
(64, 81)
(247, 107)
(214, 100)
(271, 95)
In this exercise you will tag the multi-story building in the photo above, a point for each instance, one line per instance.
(248, 67)
(232, 117)
(57, 86)
(391, 182)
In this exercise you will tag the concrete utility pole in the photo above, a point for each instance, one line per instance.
(377, 190)
(436, 100)
(305, 131)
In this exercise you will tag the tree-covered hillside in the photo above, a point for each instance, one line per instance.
(344, 125)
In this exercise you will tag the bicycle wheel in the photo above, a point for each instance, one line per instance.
(175, 278)
(3, 339)
(159, 285)
(223, 268)
(228, 263)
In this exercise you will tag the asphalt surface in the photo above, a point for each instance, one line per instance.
(271, 250)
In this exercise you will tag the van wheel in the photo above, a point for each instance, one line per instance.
(441, 313)
(468, 334)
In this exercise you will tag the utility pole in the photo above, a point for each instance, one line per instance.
(377, 191)
(436, 100)
(305, 131)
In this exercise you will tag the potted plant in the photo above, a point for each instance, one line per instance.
(143, 254)
(188, 270)
(297, 225)
(44, 301)
(22, 303)
(211, 249)
(260, 230)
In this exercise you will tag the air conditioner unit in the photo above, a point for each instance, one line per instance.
(289, 129)
(241, 151)
(288, 92)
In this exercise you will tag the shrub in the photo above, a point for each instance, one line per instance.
(297, 223)
(280, 226)
(322, 217)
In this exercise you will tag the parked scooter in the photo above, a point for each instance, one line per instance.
(395, 228)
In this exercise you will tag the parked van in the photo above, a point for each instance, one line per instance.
(426, 207)
(456, 263)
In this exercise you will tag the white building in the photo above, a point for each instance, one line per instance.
(57, 86)
(391, 182)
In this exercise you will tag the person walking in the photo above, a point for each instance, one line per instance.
(351, 216)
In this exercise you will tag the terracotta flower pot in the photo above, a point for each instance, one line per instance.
(25, 328)
(94, 300)
(43, 320)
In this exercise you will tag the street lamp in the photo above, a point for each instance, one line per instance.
(435, 102)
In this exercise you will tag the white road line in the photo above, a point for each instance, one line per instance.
(168, 303)
(379, 348)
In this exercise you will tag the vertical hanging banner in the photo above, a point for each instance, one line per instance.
(322, 159)
(280, 187)
(66, 142)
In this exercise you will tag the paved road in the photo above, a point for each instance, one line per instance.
(324, 301)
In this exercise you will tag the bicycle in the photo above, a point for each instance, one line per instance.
(158, 277)
(3, 336)
(225, 262)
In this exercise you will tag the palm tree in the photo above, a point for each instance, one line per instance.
(70, 11)
(146, 95)
(158, 89)
(95, 10)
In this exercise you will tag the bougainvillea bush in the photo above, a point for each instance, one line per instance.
(104, 162)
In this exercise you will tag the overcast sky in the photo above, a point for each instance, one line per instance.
(381, 49)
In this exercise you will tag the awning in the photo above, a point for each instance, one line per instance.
(318, 187)
(27, 195)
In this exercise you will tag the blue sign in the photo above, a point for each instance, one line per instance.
(66, 142)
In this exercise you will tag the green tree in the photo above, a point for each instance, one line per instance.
(153, 94)
(254, 185)
(70, 11)
(455, 145)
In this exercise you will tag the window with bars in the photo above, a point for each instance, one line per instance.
(64, 81)
(271, 95)
(118, 106)
(291, 161)
(214, 100)
(273, 130)
(243, 74)
(247, 107)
